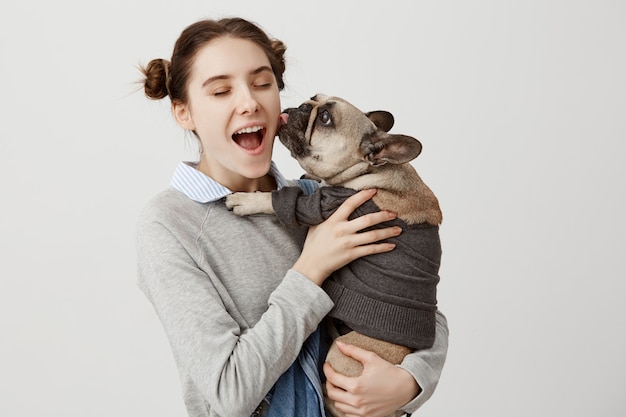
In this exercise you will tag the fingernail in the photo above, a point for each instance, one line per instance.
(392, 214)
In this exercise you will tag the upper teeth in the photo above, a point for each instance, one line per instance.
(249, 130)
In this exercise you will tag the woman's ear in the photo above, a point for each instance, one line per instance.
(183, 115)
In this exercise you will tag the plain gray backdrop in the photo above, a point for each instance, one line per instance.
(520, 107)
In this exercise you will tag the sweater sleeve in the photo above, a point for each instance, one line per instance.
(426, 365)
(231, 367)
(295, 208)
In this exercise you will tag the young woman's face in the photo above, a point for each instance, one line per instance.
(234, 108)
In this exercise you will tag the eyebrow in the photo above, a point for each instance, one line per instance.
(259, 70)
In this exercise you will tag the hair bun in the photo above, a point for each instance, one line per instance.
(279, 49)
(156, 75)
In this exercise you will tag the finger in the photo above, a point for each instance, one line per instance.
(353, 202)
(348, 410)
(338, 383)
(371, 219)
(370, 249)
(359, 354)
(344, 402)
(339, 397)
(376, 235)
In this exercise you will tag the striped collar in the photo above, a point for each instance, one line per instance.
(204, 189)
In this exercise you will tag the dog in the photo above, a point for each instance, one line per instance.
(386, 302)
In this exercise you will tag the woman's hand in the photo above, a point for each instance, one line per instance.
(337, 241)
(381, 389)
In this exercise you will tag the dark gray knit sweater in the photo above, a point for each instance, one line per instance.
(390, 296)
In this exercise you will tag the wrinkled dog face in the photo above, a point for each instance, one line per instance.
(324, 135)
(334, 141)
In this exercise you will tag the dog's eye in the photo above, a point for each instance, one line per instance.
(324, 117)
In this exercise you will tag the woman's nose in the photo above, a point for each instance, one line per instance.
(247, 104)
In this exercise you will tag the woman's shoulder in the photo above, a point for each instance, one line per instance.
(167, 198)
(168, 206)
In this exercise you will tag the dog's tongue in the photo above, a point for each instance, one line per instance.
(284, 118)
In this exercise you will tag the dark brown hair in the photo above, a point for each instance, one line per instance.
(163, 77)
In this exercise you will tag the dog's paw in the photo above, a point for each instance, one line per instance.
(244, 204)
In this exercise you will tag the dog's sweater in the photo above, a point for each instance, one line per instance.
(234, 313)
(389, 296)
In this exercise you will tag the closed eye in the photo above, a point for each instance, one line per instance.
(221, 93)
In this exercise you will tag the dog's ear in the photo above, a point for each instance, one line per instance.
(383, 148)
(382, 119)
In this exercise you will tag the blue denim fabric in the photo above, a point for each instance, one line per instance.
(298, 392)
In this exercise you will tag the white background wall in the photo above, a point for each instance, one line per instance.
(520, 106)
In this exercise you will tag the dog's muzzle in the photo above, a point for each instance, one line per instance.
(292, 133)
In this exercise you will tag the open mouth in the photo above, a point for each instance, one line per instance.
(249, 138)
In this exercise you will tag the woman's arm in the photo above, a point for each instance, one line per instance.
(223, 361)
(382, 387)
(229, 363)
(426, 365)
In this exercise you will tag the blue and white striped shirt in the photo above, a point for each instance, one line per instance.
(203, 189)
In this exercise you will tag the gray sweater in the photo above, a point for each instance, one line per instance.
(234, 313)
(390, 296)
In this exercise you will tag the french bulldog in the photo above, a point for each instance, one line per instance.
(386, 302)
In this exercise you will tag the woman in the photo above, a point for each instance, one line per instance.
(239, 296)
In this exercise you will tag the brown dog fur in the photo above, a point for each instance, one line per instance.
(355, 152)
